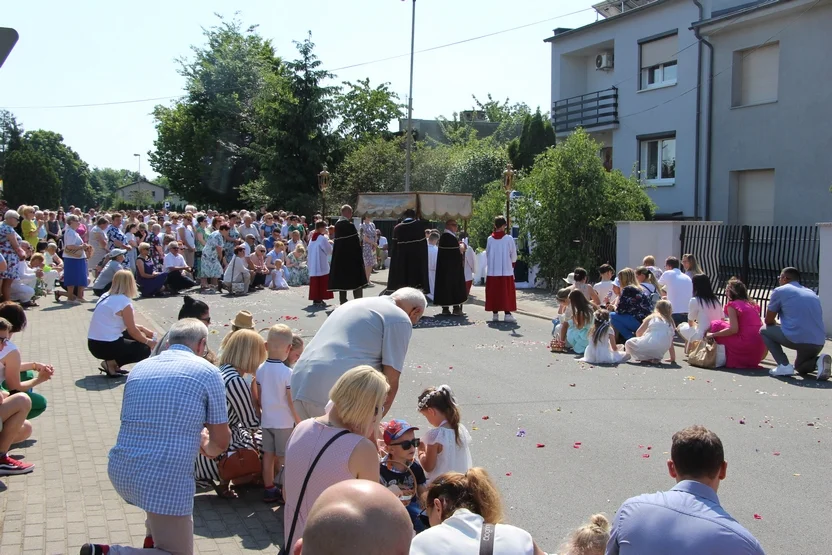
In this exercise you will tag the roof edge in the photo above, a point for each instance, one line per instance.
(607, 20)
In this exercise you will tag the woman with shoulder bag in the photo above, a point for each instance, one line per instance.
(244, 352)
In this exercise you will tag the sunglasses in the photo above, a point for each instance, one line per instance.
(408, 444)
(424, 518)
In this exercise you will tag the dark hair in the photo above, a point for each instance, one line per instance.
(601, 326)
(224, 227)
(605, 268)
(697, 452)
(15, 314)
(580, 307)
(499, 222)
(735, 290)
(320, 224)
(703, 291)
(192, 308)
(473, 490)
(793, 274)
(442, 399)
(200, 219)
(579, 274)
(409, 213)
(672, 261)
(239, 248)
(102, 220)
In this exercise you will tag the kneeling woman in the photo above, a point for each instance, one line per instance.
(114, 336)
(458, 506)
(20, 377)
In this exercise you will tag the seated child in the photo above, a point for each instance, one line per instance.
(589, 539)
(602, 348)
(273, 394)
(604, 288)
(575, 332)
(400, 473)
(655, 336)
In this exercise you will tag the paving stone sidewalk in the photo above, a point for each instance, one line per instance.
(68, 500)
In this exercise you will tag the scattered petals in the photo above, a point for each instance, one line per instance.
(810, 423)
(742, 421)
(757, 517)
(795, 474)
(571, 385)
(641, 446)
(578, 443)
(508, 473)
(450, 367)
(776, 453)
(649, 447)
(540, 445)
(475, 428)
(521, 433)
(645, 456)
(485, 417)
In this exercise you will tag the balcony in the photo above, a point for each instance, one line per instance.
(591, 110)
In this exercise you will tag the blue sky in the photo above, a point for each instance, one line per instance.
(109, 51)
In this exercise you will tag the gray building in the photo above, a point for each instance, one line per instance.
(639, 81)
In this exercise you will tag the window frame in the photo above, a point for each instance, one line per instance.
(643, 142)
(644, 72)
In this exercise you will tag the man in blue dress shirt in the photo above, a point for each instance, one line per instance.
(688, 519)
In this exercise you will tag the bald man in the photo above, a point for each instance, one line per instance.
(356, 516)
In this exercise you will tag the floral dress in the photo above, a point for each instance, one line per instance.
(298, 273)
(155, 257)
(210, 266)
(368, 230)
(229, 244)
(8, 252)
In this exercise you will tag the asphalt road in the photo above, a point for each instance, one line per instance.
(595, 436)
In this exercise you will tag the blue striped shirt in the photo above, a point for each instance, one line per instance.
(168, 399)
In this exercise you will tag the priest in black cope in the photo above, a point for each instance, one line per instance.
(409, 255)
(449, 286)
(347, 266)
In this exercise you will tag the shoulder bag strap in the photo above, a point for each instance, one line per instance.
(487, 539)
(288, 545)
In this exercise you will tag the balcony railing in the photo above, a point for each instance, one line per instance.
(587, 110)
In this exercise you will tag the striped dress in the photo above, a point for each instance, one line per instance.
(242, 419)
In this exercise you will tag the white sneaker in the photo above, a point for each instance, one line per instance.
(782, 370)
(495, 317)
(510, 318)
(824, 367)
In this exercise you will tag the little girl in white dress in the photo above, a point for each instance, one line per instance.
(602, 348)
(445, 447)
(655, 336)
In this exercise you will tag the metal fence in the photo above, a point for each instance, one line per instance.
(754, 254)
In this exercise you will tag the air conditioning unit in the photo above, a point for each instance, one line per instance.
(604, 61)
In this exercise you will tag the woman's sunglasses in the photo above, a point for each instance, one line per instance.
(424, 518)
(408, 444)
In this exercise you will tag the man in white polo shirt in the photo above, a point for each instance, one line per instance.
(678, 289)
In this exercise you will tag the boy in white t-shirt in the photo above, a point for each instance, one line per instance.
(278, 418)
(604, 288)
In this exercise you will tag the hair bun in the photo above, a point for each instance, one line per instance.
(187, 299)
(600, 521)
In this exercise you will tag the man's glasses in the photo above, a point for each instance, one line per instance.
(408, 444)
(173, 248)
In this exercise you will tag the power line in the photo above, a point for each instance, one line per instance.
(379, 60)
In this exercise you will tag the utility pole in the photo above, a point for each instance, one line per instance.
(407, 166)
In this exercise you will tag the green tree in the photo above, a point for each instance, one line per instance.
(475, 168)
(202, 140)
(105, 181)
(537, 136)
(30, 178)
(73, 173)
(374, 167)
(498, 112)
(571, 199)
(366, 112)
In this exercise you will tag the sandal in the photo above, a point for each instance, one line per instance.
(57, 296)
(225, 491)
(110, 374)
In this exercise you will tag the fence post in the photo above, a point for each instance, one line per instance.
(746, 254)
(825, 274)
(682, 242)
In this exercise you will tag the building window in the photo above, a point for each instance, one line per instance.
(657, 160)
(756, 75)
(755, 197)
(153, 194)
(606, 157)
(658, 61)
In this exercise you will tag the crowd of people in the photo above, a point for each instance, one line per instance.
(639, 314)
(314, 425)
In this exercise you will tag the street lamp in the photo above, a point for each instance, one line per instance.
(407, 164)
(139, 180)
(508, 181)
(323, 183)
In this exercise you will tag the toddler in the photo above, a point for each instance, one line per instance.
(445, 446)
(399, 471)
(273, 394)
(602, 348)
(655, 336)
(297, 350)
(589, 539)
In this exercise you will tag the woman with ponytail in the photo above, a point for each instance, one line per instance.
(445, 447)
(460, 508)
(602, 348)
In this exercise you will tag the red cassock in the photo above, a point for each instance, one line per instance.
(500, 294)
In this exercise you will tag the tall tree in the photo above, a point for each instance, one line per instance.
(105, 181)
(537, 136)
(73, 173)
(30, 178)
(366, 112)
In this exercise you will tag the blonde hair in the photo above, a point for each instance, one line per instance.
(37, 258)
(280, 336)
(473, 490)
(124, 284)
(649, 260)
(627, 277)
(664, 311)
(649, 277)
(27, 210)
(693, 263)
(589, 539)
(244, 350)
(357, 395)
(144, 246)
(297, 341)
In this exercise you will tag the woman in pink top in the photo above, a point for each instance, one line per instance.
(744, 348)
(357, 399)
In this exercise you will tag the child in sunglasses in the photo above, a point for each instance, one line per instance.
(400, 473)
